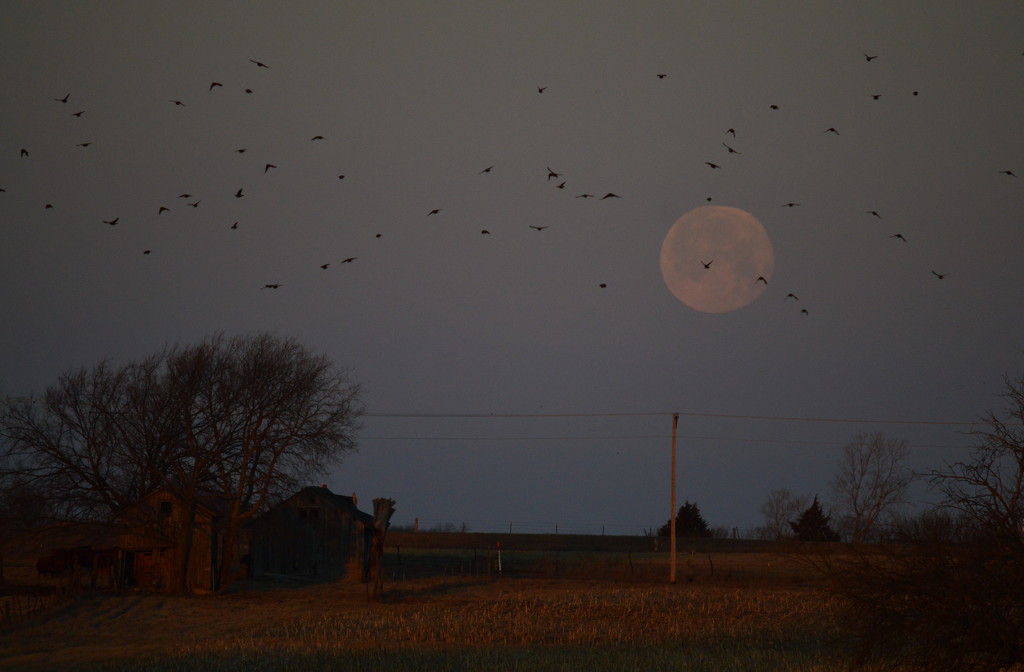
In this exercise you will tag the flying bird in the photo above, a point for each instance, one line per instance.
(317, 137)
(707, 264)
(434, 212)
(731, 150)
(760, 278)
(162, 210)
(239, 194)
(791, 296)
(213, 84)
(602, 285)
(184, 195)
(24, 152)
(341, 177)
(258, 64)
(774, 107)
(876, 96)
(179, 103)
(560, 186)
(1007, 172)
(873, 212)
(78, 114)
(585, 196)
(268, 167)
(324, 266)
(870, 58)
(732, 132)
(485, 170)
(662, 76)
(609, 195)
(485, 232)
(248, 90)
(64, 99)
(553, 174)
(540, 89)
(83, 144)
(273, 286)
(940, 276)
(714, 166)
(235, 225)
(196, 204)
(831, 130)
(539, 228)
(789, 205)
(898, 235)
(146, 251)
(349, 260)
(240, 151)
(804, 312)
(48, 206)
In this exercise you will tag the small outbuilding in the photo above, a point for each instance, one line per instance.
(314, 534)
(152, 542)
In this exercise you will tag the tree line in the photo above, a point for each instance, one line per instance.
(245, 419)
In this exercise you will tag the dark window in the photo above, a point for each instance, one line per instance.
(165, 509)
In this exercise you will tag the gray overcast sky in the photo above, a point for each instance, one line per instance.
(413, 101)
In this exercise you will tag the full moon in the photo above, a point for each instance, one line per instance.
(717, 259)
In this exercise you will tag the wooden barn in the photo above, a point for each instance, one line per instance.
(314, 534)
(151, 543)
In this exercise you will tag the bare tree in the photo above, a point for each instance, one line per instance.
(243, 419)
(870, 482)
(779, 508)
(948, 597)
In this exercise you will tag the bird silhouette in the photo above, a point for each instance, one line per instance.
(240, 151)
(789, 205)
(585, 196)
(48, 206)
(609, 195)
(162, 210)
(732, 132)
(485, 232)
(239, 194)
(831, 130)
(324, 266)
(873, 212)
(660, 76)
(1007, 172)
(707, 264)
(940, 276)
(78, 114)
(803, 311)
(268, 167)
(602, 285)
(348, 260)
(178, 103)
(248, 90)
(553, 174)
(271, 286)
(213, 84)
(146, 251)
(434, 212)
(317, 137)
(560, 186)
(870, 58)
(64, 99)
(876, 96)
(83, 144)
(184, 195)
(485, 170)
(898, 235)
(235, 225)
(791, 296)
(258, 64)
(24, 152)
(774, 107)
(731, 150)
(539, 228)
(714, 166)
(196, 204)
(760, 278)
(540, 89)
(341, 177)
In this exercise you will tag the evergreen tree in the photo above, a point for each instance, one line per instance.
(689, 523)
(813, 524)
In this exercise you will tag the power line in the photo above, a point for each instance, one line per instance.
(669, 414)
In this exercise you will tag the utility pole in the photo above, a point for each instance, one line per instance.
(672, 512)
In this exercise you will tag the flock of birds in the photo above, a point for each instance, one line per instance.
(553, 177)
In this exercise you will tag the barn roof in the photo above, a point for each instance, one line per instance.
(327, 498)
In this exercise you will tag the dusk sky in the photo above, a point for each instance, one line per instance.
(557, 321)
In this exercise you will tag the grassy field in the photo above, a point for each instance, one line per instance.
(586, 609)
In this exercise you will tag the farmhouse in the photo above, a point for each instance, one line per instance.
(314, 534)
(154, 541)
